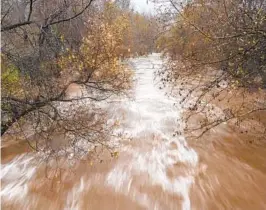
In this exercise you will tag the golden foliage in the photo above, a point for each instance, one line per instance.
(10, 78)
(100, 51)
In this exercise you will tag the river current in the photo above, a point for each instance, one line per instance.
(156, 167)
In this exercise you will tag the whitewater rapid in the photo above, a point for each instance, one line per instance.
(155, 168)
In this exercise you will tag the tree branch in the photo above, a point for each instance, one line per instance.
(73, 17)
(7, 28)
(28, 22)
(30, 12)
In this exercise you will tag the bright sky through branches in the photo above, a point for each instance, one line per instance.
(143, 6)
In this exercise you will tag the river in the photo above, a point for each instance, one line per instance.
(156, 169)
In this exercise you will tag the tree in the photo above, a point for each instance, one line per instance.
(219, 42)
(47, 49)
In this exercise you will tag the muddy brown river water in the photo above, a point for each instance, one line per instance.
(155, 169)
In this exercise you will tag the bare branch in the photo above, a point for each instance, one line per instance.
(30, 12)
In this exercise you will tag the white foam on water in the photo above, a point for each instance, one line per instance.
(15, 176)
(73, 198)
(121, 181)
(153, 115)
